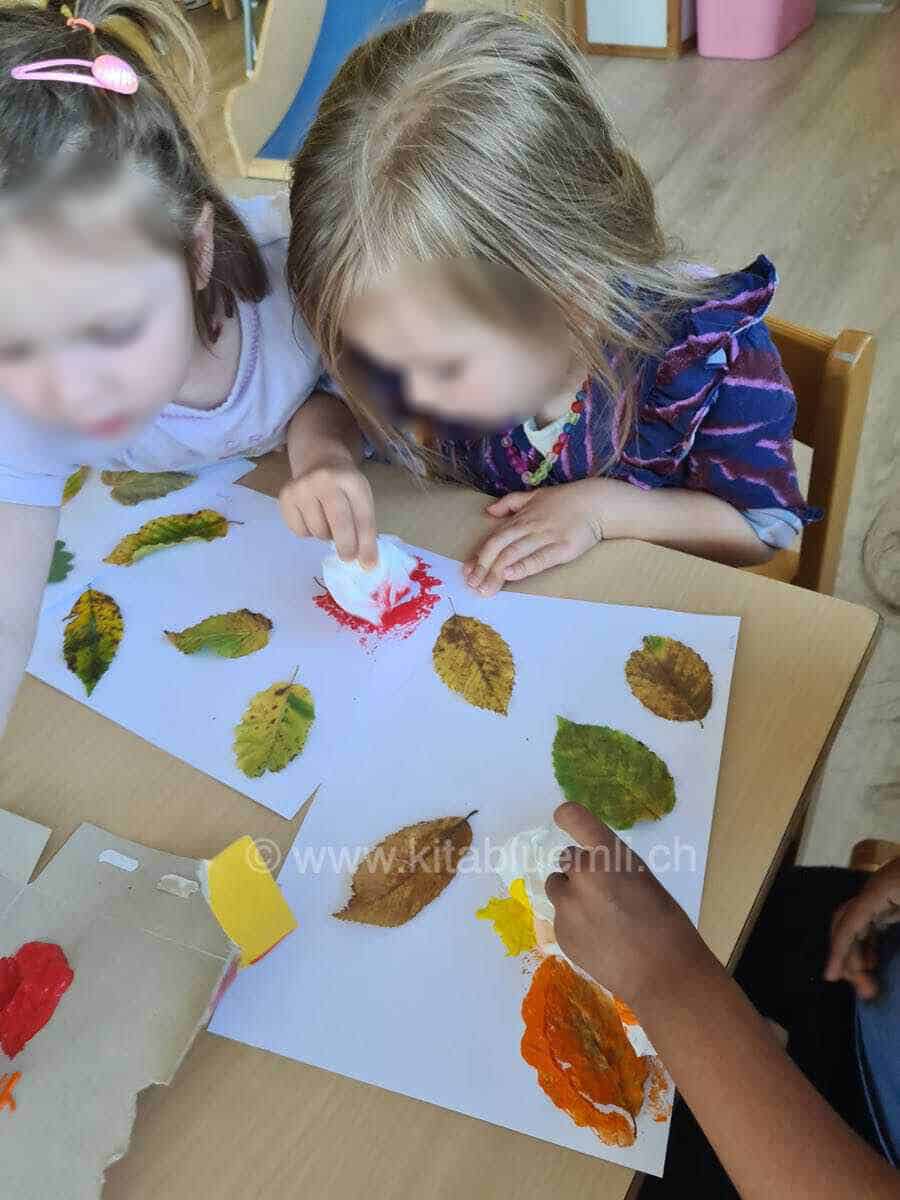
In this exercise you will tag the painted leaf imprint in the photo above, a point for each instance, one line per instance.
(274, 728)
(74, 484)
(230, 635)
(162, 532)
(670, 679)
(513, 919)
(610, 773)
(473, 660)
(407, 871)
(585, 1063)
(133, 487)
(92, 636)
(61, 564)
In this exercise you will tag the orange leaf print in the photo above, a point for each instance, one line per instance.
(586, 1065)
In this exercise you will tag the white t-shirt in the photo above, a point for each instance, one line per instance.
(279, 367)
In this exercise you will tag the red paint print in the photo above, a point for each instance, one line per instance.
(401, 618)
(32, 983)
(7, 1087)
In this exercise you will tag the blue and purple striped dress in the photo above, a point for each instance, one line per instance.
(715, 414)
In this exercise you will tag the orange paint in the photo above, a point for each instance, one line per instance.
(626, 1014)
(7, 1086)
(576, 1042)
(658, 1092)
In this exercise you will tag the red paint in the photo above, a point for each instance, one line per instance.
(7, 1087)
(400, 619)
(31, 985)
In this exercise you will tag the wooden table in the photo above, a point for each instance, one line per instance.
(242, 1123)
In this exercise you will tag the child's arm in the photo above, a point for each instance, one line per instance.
(328, 496)
(26, 547)
(773, 1132)
(549, 526)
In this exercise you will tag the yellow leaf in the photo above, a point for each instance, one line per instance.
(161, 532)
(670, 679)
(513, 919)
(406, 871)
(274, 729)
(92, 636)
(74, 483)
(474, 660)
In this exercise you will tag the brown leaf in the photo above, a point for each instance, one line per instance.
(406, 871)
(670, 679)
(474, 660)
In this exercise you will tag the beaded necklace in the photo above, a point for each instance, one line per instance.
(536, 477)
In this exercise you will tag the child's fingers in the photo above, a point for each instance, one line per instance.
(541, 559)
(343, 527)
(486, 555)
(512, 503)
(525, 548)
(359, 495)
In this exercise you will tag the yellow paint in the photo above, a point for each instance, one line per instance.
(513, 919)
(246, 900)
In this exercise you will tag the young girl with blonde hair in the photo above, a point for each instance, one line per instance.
(145, 322)
(473, 244)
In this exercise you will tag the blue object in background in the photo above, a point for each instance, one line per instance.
(345, 24)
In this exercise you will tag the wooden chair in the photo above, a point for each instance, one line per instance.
(831, 379)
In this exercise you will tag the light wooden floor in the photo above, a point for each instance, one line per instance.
(799, 157)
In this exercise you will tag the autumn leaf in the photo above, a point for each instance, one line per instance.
(611, 774)
(670, 679)
(513, 919)
(474, 660)
(92, 636)
(161, 532)
(61, 566)
(133, 487)
(584, 1060)
(75, 483)
(230, 635)
(406, 871)
(274, 728)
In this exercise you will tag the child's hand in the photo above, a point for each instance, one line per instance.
(612, 916)
(537, 530)
(854, 954)
(334, 502)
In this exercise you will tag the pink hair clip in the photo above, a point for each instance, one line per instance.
(107, 71)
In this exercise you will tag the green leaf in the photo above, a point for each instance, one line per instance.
(230, 635)
(274, 729)
(613, 775)
(74, 484)
(161, 532)
(61, 566)
(133, 487)
(92, 636)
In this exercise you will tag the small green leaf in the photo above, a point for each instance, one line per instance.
(92, 636)
(133, 487)
(61, 566)
(162, 532)
(230, 635)
(613, 775)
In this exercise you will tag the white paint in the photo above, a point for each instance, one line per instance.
(631, 23)
(122, 861)
(177, 885)
(372, 594)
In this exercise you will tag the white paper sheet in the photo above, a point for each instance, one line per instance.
(377, 1004)
(391, 746)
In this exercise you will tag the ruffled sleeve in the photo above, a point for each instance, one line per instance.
(717, 412)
